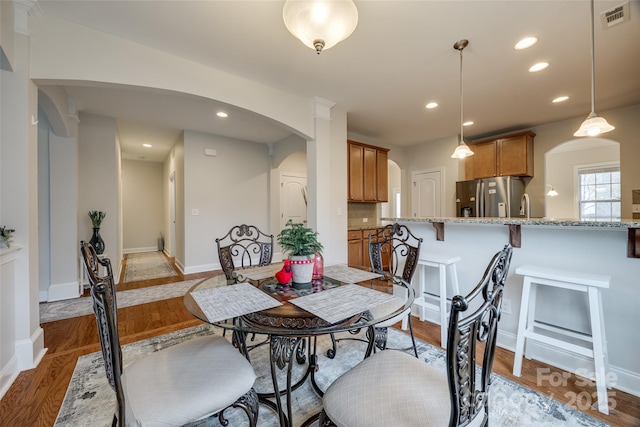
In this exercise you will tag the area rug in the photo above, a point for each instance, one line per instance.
(90, 402)
(66, 309)
(147, 265)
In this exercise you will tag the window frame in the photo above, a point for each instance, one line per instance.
(593, 168)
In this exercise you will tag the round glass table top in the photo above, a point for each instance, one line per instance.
(289, 319)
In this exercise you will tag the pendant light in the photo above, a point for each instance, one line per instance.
(320, 24)
(593, 125)
(462, 150)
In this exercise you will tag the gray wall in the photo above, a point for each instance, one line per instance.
(142, 205)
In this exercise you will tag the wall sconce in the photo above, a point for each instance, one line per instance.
(552, 192)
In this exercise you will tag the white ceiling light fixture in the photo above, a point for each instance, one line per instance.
(431, 105)
(552, 192)
(462, 150)
(560, 99)
(593, 124)
(222, 114)
(320, 24)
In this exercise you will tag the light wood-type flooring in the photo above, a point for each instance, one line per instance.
(35, 397)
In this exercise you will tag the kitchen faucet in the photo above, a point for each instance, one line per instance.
(525, 206)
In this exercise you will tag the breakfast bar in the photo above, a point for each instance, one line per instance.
(598, 248)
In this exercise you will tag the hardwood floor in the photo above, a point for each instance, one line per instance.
(35, 397)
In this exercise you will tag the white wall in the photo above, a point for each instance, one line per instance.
(560, 170)
(98, 182)
(228, 189)
(627, 123)
(142, 205)
(69, 51)
(436, 154)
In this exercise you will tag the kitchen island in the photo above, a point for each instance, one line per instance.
(608, 248)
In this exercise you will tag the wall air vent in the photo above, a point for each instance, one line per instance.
(615, 16)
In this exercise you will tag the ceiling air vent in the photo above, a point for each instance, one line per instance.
(615, 16)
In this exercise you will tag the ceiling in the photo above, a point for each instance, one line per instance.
(400, 57)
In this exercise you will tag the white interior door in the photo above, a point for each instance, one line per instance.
(426, 193)
(293, 189)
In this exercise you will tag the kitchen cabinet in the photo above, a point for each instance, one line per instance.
(509, 155)
(358, 247)
(367, 175)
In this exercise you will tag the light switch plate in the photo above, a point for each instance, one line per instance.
(635, 208)
(195, 212)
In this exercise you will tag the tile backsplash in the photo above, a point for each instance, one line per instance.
(357, 212)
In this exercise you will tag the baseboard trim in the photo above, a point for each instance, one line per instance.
(198, 268)
(61, 291)
(138, 250)
(8, 375)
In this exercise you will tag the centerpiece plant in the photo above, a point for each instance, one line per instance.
(301, 243)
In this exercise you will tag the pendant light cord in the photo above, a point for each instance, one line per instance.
(593, 63)
(461, 100)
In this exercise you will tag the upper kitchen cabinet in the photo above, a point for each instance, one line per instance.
(368, 176)
(509, 155)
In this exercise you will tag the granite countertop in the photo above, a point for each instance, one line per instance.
(363, 227)
(553, 222)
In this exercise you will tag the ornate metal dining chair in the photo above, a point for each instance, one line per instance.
(190, 381)
(244, 246)
(394, 388)
(393, 250)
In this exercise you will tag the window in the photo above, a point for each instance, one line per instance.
(599, 193)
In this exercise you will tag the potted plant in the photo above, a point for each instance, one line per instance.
(96, 240)
(301, 243)
(6, 236)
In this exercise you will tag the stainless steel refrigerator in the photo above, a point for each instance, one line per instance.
(498, 197)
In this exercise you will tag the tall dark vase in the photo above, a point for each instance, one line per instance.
(96, 241)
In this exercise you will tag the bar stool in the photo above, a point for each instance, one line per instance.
(442, 263)
(595, 343)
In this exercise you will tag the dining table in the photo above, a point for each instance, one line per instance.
(292, 316)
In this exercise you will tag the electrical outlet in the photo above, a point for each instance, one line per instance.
(365, 219)
(506, 305)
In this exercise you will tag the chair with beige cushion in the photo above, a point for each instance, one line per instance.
(393, 388)
(244, 246)
(187, 382)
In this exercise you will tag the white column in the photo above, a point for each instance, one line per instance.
(327, 180)
(18, 190)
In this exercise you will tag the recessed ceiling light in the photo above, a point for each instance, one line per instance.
(222, 114)
(560, 99)
(538, 67)
(147, 145)
(525, 43)
(431, 105)
(469, 123)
